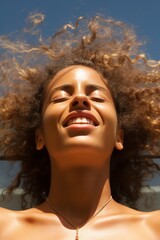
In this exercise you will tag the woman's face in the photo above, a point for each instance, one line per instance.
(78, 116)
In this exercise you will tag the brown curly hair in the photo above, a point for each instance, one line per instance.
(111, 48)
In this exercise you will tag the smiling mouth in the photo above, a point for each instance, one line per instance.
(80, 120)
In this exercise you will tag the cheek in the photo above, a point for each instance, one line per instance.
(51, 118)
(108, 115)
(52, 113)
(110, 123)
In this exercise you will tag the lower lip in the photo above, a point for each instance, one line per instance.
(80, 126)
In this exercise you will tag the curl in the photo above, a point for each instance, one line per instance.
(111, 48)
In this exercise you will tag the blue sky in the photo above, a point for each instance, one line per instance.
(144, 15)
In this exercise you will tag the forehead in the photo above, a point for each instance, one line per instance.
(78, 74)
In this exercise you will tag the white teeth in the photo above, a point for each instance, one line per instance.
(80, 120)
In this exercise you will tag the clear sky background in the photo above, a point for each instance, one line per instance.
(143, 15)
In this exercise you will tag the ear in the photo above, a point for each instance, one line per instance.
(119, 139)
(39, 139)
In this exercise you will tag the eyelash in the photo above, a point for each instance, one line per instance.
(97, 99)
(61, 99)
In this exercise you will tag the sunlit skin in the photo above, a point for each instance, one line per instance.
(80, 130)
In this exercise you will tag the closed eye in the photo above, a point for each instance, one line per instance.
(60, 99)
(97, 99)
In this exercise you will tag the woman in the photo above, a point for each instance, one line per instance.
(85, 127)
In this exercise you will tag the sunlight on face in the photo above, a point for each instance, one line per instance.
(79, 114)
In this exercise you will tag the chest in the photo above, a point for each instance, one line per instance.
(110, 232)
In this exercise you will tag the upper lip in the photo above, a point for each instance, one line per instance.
(80, 114)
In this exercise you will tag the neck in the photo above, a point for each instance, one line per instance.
(78, 193)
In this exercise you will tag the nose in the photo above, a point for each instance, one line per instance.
(80, 102)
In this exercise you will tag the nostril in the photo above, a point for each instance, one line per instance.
(80, 102)
(74, 103)
(86, 103)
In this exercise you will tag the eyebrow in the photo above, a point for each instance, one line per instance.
(61, 87)
(89, 87)
(97, 87)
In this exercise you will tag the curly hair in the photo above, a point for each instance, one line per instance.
(111, 48)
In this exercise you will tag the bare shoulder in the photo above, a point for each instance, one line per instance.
(153, 220)
(7, 218)
(17, 214)
(12, 217)
(6, 214)
(147, 222)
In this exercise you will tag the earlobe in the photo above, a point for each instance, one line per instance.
(119, 145)
(119, 140)
(39, 139)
